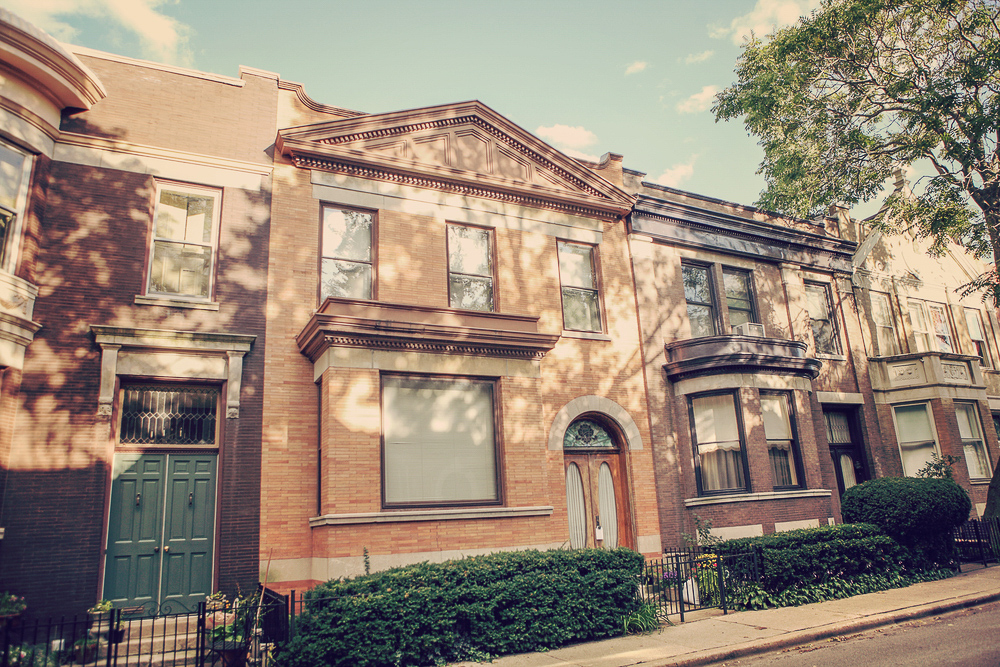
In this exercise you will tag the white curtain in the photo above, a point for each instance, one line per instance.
(719, 449)
(972, 441)
(778, 431)
(607, 506)
(847, 471)
(916, 437)
(576, 508)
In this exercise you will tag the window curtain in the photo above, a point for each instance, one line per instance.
(778, 431)
(719, 450)
(439, 441)
(972, 441)
(916, 437)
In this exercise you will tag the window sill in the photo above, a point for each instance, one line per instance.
(980, 481)
(756, 497)
(832, 357)
(430, 515)
(586, 335)
(171, 302)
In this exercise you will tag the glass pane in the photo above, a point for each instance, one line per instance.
(782, 464)
(11, 172)
(737, 285)
(942, 329)
(184, 217)
(847, 471)
(587, 433)
(702, 320)
(882, 314)
(974, 324)
(469, 251)
(721, 470)
(575, 507)
(715, 419)
(774, 411)
(817, 303)
(838, 430)
(576, 266)
(738, 317)
(352, 280)
(696, 285)
(581, 310)
(471, 293)
(6, 223)
(915, 456)
(347, 235)
(439, 442)
(181, 416)
(968, 423)
(607, 506)
(918, 320)
(825, 337)
(975, 459)
(180, 269)
(913, 423)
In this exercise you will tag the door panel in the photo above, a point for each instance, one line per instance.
(604, 498)
(132, 566)
(188, 528)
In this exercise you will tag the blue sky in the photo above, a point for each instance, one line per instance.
(635, 77)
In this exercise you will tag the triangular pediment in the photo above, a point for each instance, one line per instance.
(466, 147)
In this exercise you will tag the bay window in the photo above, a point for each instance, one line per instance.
(15, 172)
(781, 449)
(917, 439)
(973, 445)
(720, 460)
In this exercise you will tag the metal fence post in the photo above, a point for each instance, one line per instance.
(682, 580)
(720, 577)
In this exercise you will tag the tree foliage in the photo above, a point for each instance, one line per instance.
(862, 86)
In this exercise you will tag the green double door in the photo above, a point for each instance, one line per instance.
(161, 529)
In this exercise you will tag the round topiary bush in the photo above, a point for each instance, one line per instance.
(918, 513)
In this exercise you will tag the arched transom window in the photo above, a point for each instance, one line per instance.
(587, 434)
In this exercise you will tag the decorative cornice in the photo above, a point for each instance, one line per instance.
(388, 326)
(712, 355)
(310, 103)
(171, 340)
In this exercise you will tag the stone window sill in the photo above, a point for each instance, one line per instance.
(757, 497)
(430, 515)
(141, 300)
(586, 335)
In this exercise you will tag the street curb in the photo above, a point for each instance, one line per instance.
(799, 637)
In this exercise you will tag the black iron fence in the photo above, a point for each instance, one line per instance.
(684, 581)
(228, 636)
(978, 541)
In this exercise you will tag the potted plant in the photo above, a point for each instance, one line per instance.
(669, 582)
(11, 605)
(216, 601)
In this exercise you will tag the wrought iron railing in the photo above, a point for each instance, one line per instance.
(978, 540)
(684, 581)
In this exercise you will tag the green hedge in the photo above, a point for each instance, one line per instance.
(816, 555)
(918, 513)
(431, 613)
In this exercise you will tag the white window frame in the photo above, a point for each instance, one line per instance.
(948, 333)
(921, 330)
(929, 411)
(10, 245)
(980, 345)
(979, 452)
(198, 191)
(370, 262)
(885, 331)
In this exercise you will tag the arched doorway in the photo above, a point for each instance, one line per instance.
(597, 496)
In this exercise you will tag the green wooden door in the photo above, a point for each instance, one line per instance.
(161, 529)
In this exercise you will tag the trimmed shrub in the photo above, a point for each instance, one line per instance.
(817, 555)
(920, 514)
(500, 603)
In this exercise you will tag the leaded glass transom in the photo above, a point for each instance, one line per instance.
(169, 415)
(587, 434)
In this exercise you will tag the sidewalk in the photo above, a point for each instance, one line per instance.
(709, 636)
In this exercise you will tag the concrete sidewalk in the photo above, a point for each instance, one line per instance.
(709, 636)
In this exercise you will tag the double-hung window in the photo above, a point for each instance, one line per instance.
(885, 331)
(739, 296)
(581, 302)
(821, 317)
(185, 234)
(915, 432)
(470, 268)
(781, 448)
(347, 254)
(439, 441)
(973, 445)
(977, 332)
(942, 327)
(918, 322)
(720, 460)
(15, 172)
(698, 295)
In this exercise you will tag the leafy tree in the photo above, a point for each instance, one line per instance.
(860, 87)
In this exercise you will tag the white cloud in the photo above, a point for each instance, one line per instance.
(698, 57)
(699, 101)
(564, 135)
(764, 18)
(637, 66)
(161, 37)
(677, 174)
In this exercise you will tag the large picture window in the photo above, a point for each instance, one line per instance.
(580, 298)
(15, 170)
(347, 254)
(470, 268)
(698, 295)
(185, 233)
(821, 317)
(917, 442)
(781, 449)
(439, 442)
(168, 415)
(973, 445)
(719, 455)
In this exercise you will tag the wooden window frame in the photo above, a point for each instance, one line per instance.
(491, 239)
(711, 305)
(741, 434)
(597, 291)
(372, 249)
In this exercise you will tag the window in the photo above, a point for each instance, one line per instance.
(720, 462)
(917, 442)
(439, 444)
(846, 460)
(698, 294)
(168, 415)
(824, 326)
(347, 254)
(972, 441)
(185, 231)
(885, 331)
(942, 327)
(919, 320)
(580, 298)
(15, 172)
(977, 332)
(780, 440)
(470, 268)
(739, 296)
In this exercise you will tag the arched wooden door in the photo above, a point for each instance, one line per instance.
(597, 496)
